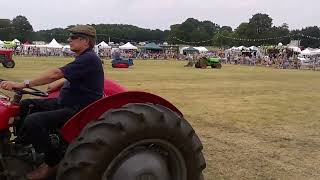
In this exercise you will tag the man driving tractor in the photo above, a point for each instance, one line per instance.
(83, 85)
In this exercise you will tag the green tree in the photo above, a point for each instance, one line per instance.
(22, 29)
(193, 30)
(262, 23)
(223, 38)
(313, 31)
(5, 29)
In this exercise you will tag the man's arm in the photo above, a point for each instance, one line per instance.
(46, 78)
(55, 85)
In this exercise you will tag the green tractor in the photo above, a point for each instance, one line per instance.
(214, 62)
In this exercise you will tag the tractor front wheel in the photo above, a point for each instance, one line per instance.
(8, 64)
(136, 142)
(216, 66)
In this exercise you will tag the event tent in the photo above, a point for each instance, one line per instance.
(54, 44)
(128, 46)
(103, 45)
(253, 48)
(1, 44)
(201, 49)
(16, 41)
(152, 46)
(306, 52)
(190, 50)
(295, 49)
(242, 48)
(317, 51)
(9, 44)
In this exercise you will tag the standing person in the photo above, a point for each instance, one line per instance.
(83, 85)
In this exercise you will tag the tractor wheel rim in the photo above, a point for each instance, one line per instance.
(178, 169)
(9, 63)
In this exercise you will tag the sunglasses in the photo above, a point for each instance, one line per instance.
(74, 37)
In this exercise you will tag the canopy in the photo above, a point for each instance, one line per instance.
(66, 47)
(306, 52)
(317, 51)
(16, 41)
(241, 47)
(152, 46)
(254, 48)
(104, 45)
(128, 46)
(9, 44)
(190, 50)
(54, 44)
(201, 49)
(295, 49)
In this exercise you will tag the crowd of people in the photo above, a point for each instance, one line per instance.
(276, 60)
(282, 60)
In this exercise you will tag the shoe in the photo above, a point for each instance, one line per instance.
(42, 172)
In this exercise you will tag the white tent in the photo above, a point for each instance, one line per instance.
(104, 45)
(295, 48)
(306, 52)
(242, 48)
(201, 49)
(1, 44)
(16, 41)
(66, 47)
(181, 50)
(128, 46)
(254, 48)
(54, 44)
(317, 51)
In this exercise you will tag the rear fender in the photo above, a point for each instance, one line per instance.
(74, 126)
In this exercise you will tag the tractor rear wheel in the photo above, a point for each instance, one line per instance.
(136, 142)
(8, 64)
(216, 66)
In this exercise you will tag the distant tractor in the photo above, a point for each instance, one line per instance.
(6, 58)
(122, 63)
(214, 62)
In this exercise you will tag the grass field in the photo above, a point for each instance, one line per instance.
(254, 122)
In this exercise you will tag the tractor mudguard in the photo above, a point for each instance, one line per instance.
(93, 112)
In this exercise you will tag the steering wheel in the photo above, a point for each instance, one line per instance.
(31, 91)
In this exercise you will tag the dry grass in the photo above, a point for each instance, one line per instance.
(255, 123)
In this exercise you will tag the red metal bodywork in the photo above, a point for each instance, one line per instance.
(7, 111)
(120, 65)
(7, 53)
(115, 97)
(74, 126)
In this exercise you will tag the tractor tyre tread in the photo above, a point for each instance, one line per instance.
(89, 155)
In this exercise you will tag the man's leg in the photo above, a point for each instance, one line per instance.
(36, 128)
(29, 106)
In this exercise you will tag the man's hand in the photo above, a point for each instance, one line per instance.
(9, 85)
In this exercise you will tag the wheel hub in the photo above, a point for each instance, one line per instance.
(146, 165)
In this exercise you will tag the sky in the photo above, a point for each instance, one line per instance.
(159, 14)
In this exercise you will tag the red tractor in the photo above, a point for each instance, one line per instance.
(127, 135)
(6, 58)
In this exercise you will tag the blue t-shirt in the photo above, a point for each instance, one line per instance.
(85, 80)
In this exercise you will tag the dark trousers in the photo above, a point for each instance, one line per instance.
(38, 118)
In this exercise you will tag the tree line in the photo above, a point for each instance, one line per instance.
(259, 30)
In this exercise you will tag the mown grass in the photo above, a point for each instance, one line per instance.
(255, 122)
